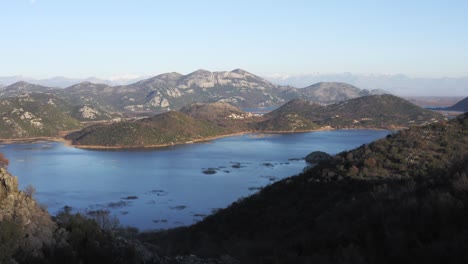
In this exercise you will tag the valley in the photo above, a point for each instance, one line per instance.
(126, 165)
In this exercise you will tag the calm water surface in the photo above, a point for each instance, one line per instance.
(163, 188)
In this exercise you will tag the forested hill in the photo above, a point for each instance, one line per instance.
(401, 199)
(374, 111)
(163, 129)
(204, 120)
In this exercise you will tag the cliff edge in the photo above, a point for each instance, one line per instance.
(34, 227)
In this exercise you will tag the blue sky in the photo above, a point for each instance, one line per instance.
(82, 38)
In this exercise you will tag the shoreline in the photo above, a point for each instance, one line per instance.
(31, 140)
(69, 143)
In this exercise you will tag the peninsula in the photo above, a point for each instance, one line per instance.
(204, 121)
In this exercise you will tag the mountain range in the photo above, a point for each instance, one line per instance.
(63, 82)
(171, 91)
(398, 84)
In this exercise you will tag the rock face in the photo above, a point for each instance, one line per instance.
(37, 228)
(172, 91)
(317, 156)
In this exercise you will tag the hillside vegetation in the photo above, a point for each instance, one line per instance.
(401, 199)
(375, 111)
(35, 115)
(43, 115)
(203, 120)
(167, 128)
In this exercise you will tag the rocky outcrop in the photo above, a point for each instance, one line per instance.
(35, 224)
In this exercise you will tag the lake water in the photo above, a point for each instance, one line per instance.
(163, 188)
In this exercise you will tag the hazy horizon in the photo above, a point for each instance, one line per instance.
(113, 39)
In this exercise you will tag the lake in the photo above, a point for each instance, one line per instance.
(173, 186)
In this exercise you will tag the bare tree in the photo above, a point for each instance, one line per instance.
(30, 191)
(3, 161)
(104, 219)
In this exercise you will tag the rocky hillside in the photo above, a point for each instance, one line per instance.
(23, 223)
(35, 115)
(223, 114)
(28, 234)
(171, 91)
(461, 106)
(21, 87)
(240, 88)
(98, 96)
(401, 199)
(333, 92)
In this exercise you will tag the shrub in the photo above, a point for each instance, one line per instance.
(104, 220)
(3, 161)
(353, 171)
(370, 162)
(30, 191)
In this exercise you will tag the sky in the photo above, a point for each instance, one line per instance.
(105, 38)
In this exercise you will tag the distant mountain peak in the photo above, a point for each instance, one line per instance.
(21, 87)
(241, 72)
(86, 83)
(20, 83)
(330, 92)
(332, 84)
(168, 76)
(200, 72)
